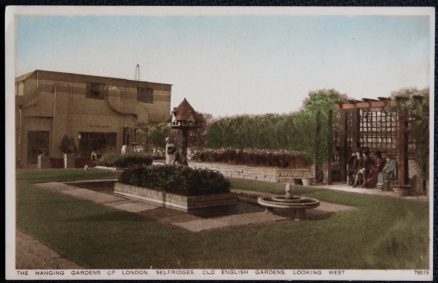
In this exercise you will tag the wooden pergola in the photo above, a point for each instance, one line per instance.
(370, 123)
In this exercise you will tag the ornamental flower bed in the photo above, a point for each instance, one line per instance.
(179, 180)
(254, 157)
(176, 187)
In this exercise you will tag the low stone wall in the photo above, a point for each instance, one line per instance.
(267, 174)
(179, 202)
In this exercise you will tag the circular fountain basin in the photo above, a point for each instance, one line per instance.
(294, 202)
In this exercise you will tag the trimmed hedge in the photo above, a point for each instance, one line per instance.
(180, 180)
(126, 161)
(268, 158)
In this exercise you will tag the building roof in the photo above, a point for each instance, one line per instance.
(185, 112)
(380, 102)
(84, 77)
(24, 76)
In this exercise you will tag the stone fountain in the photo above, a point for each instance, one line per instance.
(297, 204)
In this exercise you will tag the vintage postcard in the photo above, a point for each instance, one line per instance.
(254, 143)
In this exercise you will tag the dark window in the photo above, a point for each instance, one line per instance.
(145, 94)
(37, 143)
(96, 90)
(100, 142)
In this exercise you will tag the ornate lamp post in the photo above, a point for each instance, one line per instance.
(185, 118)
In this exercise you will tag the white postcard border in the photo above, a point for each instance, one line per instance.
(152, 274)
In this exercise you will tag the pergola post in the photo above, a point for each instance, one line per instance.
(329, 147)
(402, 142)
(184, 145)
(318, 168)
(343, 153)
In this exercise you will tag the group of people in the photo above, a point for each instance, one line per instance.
(369, 170)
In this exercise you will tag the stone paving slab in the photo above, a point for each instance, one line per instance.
(130, 206)
(335, 208)
(201, 224)
(230, 220)
(349, 189)
(91, 181)
(92, 196)
(168, 216)
(250, 218)
(56, 187)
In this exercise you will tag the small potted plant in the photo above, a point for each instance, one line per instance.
(67, 147)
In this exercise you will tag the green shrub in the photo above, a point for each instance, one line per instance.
(180, 180)
(126, 161)
(67, 145)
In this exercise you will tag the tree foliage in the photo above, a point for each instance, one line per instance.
(67, 145)
(416, 103)
(158, 135)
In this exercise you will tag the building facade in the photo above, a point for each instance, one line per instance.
(98, 113)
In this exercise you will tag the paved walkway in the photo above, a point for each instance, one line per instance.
(178, 218)
(32, 254)
(345, 188)
(241, 214)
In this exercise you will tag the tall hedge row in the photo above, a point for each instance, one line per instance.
(294, 131)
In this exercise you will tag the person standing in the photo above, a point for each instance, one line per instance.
(170, 152)
(352, 168)
(359, 171)
(93, 158)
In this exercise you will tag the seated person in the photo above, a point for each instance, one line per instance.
(362, 174)
(376, 167)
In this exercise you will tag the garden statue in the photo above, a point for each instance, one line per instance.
(123, 150)
(40, 159)
(288, 189)
(388, 174)
(170, 152)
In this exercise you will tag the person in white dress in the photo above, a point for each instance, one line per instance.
(170, 152)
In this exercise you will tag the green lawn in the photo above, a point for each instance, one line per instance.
(384, 233)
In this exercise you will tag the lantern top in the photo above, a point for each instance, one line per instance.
(185, 113)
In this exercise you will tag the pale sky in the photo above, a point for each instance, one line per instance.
(226, 65)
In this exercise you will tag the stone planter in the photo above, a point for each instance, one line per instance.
(174, 201)
(402, 190)
(307, 181)
(119, 172)
(266, 174)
